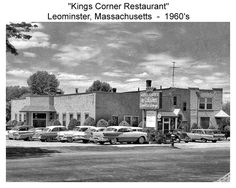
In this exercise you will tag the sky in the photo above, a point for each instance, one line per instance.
(125, 55)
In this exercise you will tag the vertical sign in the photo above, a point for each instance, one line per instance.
(151, 119)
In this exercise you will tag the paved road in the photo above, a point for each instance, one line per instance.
(193, 163)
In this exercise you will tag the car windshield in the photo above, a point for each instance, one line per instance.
(15, 128)
(83, 129)
(76, 129)
(209, 132)
(111, 129)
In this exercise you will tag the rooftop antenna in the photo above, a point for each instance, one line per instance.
(173, 74)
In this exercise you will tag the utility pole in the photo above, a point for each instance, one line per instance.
(173, 74)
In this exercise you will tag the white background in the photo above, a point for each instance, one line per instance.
(36, 10)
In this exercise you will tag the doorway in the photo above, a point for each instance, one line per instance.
(39, 119)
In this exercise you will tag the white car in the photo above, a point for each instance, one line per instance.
(202, 135)
(114, 134)
(18, 129)
(80, 133)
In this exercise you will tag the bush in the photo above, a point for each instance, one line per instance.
(194, 126)
(102, 123)
(73, 123)
(89, 121)
(20, 123)
(12, 123)
(54, 122)
(124, 123)
(111, 122)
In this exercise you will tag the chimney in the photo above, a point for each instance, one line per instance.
(148, 83)
(113, 90)
(76, 90)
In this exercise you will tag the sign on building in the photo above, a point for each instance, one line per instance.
(149, 100)
(151, 118)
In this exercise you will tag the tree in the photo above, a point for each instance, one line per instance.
(102, 123)
(17, 31)
(43, 83)
(99, 86)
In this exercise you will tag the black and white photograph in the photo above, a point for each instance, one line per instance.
(118, 102)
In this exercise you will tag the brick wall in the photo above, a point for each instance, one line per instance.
(118, 104)
(17, 105)
(73, 104)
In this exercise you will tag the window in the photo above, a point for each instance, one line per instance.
(135, 121)
(55, 129)
(209, 103)
(205, 103)
(57, 116)
(71, 116)
(115, 120)
(64, 119)
(128, 119)
(79, 118)
(205, 122)
(174, 100)
(16, 117)
(123, 130)
(24, 117)
(184, 106)
(19, 117)
(86, 115)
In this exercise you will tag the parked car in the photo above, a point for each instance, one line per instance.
(27, 135)
(49, 133)
(216, 134)
(18, 130)
(202, 135)
(80, 133)
(120, 134)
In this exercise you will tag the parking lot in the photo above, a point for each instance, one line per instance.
(190, 162)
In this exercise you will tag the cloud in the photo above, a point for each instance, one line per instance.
(197, 81)
(29, 54)
(133, 80)
(19, 73)
(115, 73)
(70, 77)
(141, 75)
(72, 55)
(38, 39)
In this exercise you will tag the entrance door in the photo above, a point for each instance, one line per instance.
(205, 122)
(39, 119)
(166, 125)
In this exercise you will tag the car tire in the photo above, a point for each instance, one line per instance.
(141, 140)
(204, 140)
(214, 141)
(101, 143)
(48, 139)
(70, 140)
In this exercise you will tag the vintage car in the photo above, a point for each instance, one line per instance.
(202, 135)
(216, 134)
(120, 134)
(18, 130)
(27, 135)
(48, 134)
(80, 133)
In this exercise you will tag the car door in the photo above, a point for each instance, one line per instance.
(126, 135)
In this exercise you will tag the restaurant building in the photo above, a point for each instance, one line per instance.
(162, 109)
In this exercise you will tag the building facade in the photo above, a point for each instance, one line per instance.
(39, 110)
(162, 109)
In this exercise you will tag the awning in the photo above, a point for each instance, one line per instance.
(222, 114)
(167, 114)
(178, 112)
(38, 109)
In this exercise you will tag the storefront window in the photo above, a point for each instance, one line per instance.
(79, 118)
(71, 116)
(39, 119)
(135, 121)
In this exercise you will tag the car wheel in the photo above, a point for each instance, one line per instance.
(101, 143)
(70, 140)
(113, 141)
(141, 140)
(214, 141)
(48, 139)
(186, 141)
(204, 140)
